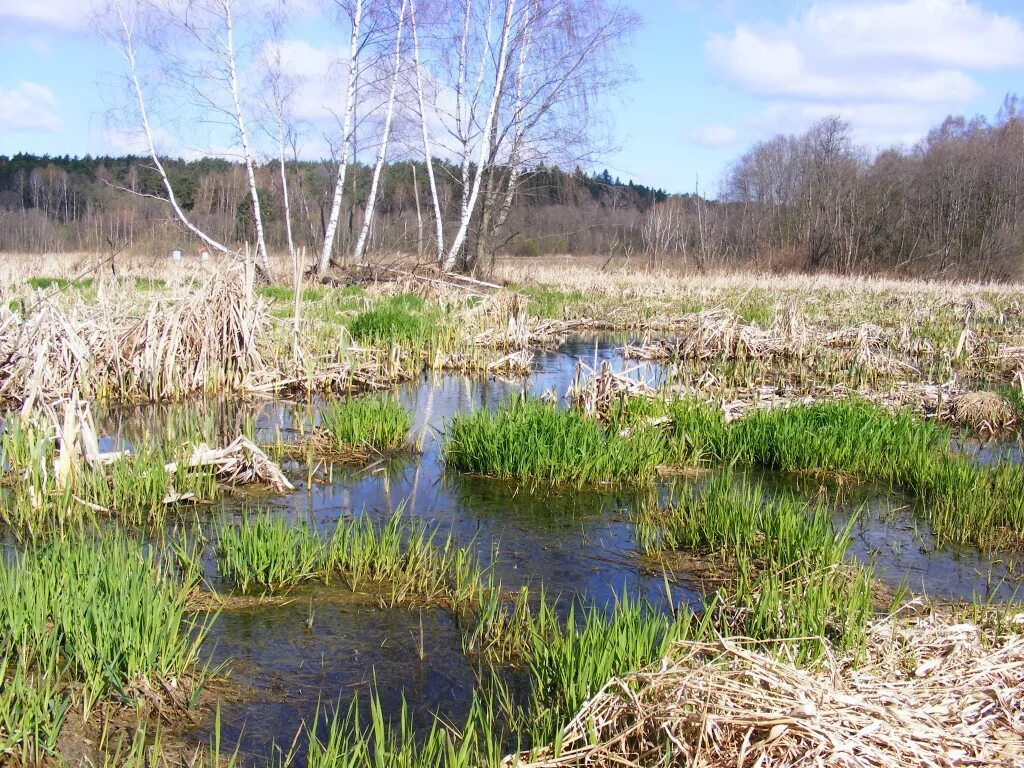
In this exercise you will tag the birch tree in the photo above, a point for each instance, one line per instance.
(194, 46)
(427, 155)
(567, 63)
(125, 16)
(347, 127)
(460, 236)
(382, 150)
(552, 62)
(278, 87)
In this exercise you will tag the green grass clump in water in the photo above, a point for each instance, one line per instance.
(964, 501)
(398, 743)
(569, 665)
(267, 553)
(402, 319)
(536, 441)
(848, 436)
(135, 488)
(367, 423)
(790, 579)
(83, 618)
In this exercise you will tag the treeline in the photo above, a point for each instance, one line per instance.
(56, 204)
(950, 206)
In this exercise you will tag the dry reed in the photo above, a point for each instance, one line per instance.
(934, 690)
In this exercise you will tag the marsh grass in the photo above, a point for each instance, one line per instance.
(367, 424)
(789, 579)
(535, 441)
(404, 319)
(965, 502)
(384, 742)
(135, 488)
(571, 662)
(85, 618)
(267, 553)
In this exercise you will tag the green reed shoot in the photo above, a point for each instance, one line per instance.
(268, 552)
(536, 441)
(83, 618)
(790, 579)
(378, 424)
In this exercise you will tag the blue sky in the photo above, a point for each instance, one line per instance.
(708, 82)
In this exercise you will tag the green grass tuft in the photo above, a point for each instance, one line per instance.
(84, 618)
(402, 319)
(536, 441)
(367, 423)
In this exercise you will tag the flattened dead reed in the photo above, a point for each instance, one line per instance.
(935, 690)
(720, 334)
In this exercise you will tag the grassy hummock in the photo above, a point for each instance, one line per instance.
(534, 440)
(966, 502)
(404, 320)
(370, 424)
(267, 553)
(83, 619)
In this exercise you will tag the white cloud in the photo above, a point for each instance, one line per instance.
(318, 75)
(714, 135)
(52, 13)
(29, 107)
(891, 67)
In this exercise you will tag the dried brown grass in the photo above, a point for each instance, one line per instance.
(625, 278)
(204, 339)
(934, 690)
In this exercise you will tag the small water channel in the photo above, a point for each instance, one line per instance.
(326, 644)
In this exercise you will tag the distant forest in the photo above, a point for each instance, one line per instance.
(950, 206)
(56, 204)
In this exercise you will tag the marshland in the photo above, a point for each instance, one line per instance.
(351, 415)
(421, 520)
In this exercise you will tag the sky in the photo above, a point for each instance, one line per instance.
(711, 78)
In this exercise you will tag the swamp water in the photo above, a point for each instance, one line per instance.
(325, 644)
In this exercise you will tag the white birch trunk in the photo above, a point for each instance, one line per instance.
(483, 159)
(284, 190)
(257, 213)
(346, 142)
(389, 114)
(438, 222)
(463, 128)
(128, 53)
(515, 154)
